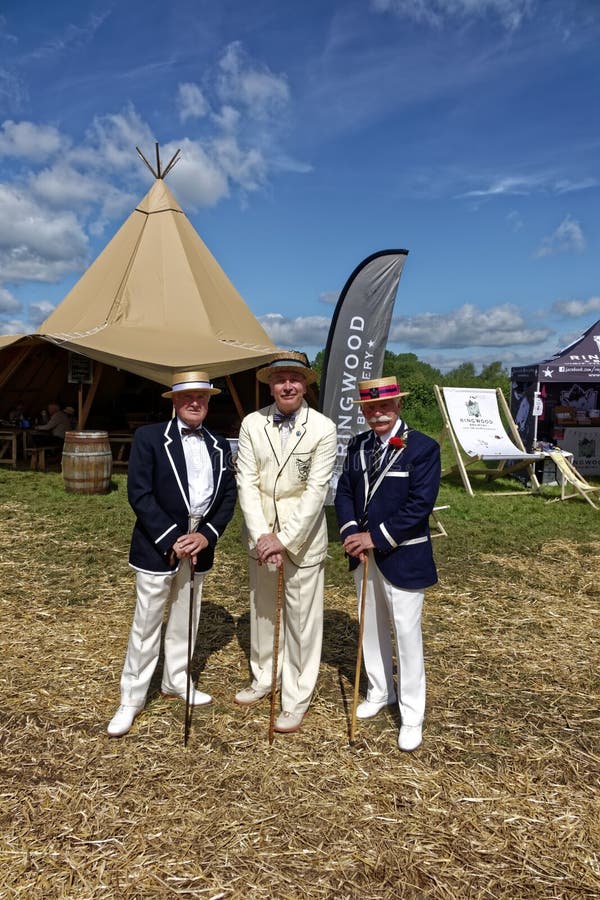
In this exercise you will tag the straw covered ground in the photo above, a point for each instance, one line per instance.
(501, 800)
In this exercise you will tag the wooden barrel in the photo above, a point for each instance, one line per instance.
(87, 462)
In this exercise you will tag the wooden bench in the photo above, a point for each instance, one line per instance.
(120, 445)
(8, 448)
(38, 456)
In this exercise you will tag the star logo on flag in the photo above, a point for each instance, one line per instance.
(371, 344)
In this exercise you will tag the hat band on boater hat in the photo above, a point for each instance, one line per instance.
(191, 381)
(379, 389)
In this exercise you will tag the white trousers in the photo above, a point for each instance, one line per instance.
(143, 649)
(300, 634)
(385, 606)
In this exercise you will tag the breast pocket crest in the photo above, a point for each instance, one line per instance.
(303, 467)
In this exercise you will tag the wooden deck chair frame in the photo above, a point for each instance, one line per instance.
(463, 461)
(572, 483)
(438, 529)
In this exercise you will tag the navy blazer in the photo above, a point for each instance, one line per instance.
(157, 488)
(395, 509)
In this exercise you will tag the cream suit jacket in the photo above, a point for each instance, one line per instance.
(285, 491)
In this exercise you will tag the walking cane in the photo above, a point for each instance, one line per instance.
(190, 650)
(275, 650)
(361, 628)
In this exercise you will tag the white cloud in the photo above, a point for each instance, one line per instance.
(73, 37)
(568, 238)
(520, 185)
(303, 331)
(8, 303)
(227, 118)
(197, 179)
(511, 13)
(191, 102)
(576, 308)
(499, 326)
(110, 140)
(25, 140)
(329, 297)
(37, 244)
(16, 326)
(63, 186)
(40, 311)
(526, 185)
(254, 87)
(247, 167)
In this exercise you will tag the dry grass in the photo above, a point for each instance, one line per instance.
(500, 801)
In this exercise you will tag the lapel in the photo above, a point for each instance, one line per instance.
(295, 436)
(175, 455)
(216, 460)
(272, 435)
(174, 450)
(390, 459)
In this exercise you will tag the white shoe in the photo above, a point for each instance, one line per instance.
(197, 698)
(288, 722)
(122, 720)
(410, 737)
(368, 708)
(251, 695)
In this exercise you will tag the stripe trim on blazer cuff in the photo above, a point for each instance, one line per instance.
(212, 528)
(348, 525)
(387, 535)
(390, 539)
(164, 534)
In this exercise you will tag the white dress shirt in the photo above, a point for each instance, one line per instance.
(199, 471)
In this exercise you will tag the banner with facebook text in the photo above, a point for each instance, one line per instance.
(356, 344)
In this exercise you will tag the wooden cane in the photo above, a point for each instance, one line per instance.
(188, 705)
(361, 629)
(275, 651)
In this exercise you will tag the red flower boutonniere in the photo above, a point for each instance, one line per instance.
(397, 442)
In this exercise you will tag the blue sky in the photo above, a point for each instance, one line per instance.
(312, 135)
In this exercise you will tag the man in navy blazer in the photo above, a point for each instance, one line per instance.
(384, 497)
(181, 486)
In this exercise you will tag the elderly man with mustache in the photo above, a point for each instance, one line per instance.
(385, 495)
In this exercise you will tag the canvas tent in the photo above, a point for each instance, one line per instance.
(569, 380)
(154, 300)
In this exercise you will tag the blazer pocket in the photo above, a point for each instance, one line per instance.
(301, 463)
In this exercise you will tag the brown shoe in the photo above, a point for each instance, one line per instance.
(288, 722)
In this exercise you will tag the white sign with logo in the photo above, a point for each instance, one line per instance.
(584, 444)
(477, 423)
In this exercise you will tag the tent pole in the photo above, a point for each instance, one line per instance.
(12, 367)
(536, 418)
(98, 370)
(235, 396)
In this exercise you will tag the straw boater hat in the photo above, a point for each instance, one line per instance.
(191, 381)
(287, 362)
(379, 389)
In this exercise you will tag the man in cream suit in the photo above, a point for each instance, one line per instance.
(285, 459)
